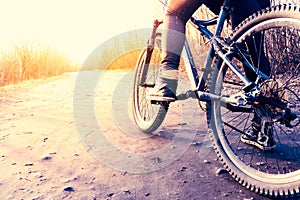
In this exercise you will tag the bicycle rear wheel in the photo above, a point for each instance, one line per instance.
(274, 34)
(147, 116)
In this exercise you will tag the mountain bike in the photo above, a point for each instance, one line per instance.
(233, 100)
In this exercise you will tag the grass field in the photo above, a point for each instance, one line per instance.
(26, 61)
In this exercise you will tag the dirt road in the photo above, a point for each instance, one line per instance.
(72, 137)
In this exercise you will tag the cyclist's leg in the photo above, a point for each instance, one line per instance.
(177, 14)
(241, 10)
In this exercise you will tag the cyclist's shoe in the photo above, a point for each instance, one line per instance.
(263, 140)
(164, 90)
(163, 94)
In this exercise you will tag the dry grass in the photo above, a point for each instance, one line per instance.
(126, 61)
(118, 53)
(26, 61)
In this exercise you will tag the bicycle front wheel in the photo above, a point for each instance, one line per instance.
(270, 37)
(147, 116)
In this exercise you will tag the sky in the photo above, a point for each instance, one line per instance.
(74, 27)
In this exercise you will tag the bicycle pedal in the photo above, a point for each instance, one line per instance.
(186, 95)
(154, 102)
(160, 100)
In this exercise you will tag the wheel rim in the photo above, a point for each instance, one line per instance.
(145, 111)
(284, 161)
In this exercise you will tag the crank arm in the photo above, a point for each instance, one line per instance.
(237, 99)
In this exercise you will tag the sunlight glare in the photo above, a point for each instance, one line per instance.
(72, 27)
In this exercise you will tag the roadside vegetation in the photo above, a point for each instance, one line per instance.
(27, 61)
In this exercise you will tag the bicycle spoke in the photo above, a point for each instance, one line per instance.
(258, 138)
(237, 123)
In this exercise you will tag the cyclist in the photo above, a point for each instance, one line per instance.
(177, 14)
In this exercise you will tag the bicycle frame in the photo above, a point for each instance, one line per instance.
(216, 48)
